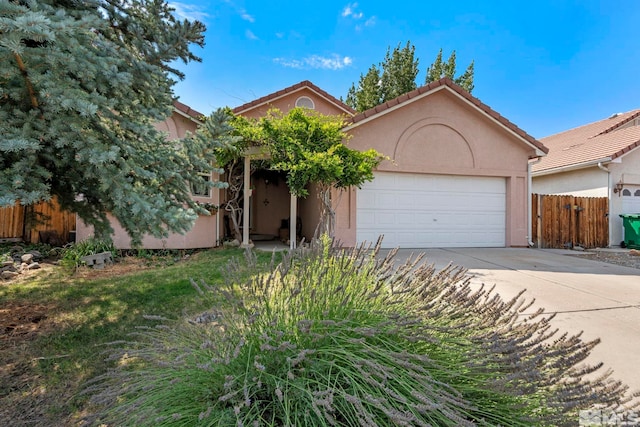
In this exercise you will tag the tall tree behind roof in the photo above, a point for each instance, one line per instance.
(397, 75)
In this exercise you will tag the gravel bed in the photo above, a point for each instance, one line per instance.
(628, 258)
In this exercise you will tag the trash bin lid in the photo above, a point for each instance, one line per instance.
(632, 216)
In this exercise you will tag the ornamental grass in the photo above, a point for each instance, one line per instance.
(333, 337)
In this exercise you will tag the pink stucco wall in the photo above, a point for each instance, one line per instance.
(288, 101)
(205, 232)
(442, 134)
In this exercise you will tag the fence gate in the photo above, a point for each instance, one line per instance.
(569, 221)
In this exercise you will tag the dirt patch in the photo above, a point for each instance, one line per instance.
(22, 322)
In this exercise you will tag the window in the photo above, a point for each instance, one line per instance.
(306, 102)
(626, 192)
(201, 190)
(637, 193)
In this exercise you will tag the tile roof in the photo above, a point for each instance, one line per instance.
(185, 109)
(448, 83)
(291, 89)
(603, 140)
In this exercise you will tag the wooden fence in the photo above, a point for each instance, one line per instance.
(44, 222)
(569, 221)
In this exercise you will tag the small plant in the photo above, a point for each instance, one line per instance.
(334, 337)
(72, 254)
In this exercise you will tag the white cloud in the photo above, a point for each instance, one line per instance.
(347, 11)
(189, 12)
(244, 15)
(333, 62)
(249, 34)
(351, 11)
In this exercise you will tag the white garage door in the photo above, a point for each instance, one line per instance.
(432, 211)
(631, 199)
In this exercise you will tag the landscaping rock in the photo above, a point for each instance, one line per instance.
(634, 252)
(231, 244)
(10, 267)
(33, 266)
(8, 275)
(7, 263)
(37, 256)
(26, 258)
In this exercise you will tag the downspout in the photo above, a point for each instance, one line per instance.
(529, 193)
(609, 196)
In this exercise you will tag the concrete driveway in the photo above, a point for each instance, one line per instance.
(601, 299)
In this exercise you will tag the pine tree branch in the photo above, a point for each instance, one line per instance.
(25, 74)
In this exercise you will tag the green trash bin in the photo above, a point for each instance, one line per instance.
(631, 224)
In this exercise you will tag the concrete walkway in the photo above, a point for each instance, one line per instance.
(601, 299)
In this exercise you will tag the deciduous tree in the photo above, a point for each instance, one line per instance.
(310, 148)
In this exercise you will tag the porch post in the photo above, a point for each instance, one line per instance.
(293, 214)
(245, 203)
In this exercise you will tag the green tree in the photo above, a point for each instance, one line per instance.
(440, 69)
(81, 85)
(397, 74)
(367, 94)
(310, 148)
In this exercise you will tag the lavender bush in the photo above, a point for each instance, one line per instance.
(333, 337)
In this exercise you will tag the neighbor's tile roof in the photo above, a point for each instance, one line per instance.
(306, 83)
(603, 140)
(447, 82)
(184, 108)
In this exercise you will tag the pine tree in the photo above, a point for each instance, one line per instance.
(397, 75)
(440, 69)
(81, 84)
(399, 72)
(368, 93)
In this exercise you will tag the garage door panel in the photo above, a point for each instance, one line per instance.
(420, 210)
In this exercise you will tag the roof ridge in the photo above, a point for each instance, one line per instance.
(184, 108)
(621, 123)
(304, 83)
(573, 129)
(447, 82)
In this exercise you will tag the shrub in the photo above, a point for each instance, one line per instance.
(334, 337)
(72, 254)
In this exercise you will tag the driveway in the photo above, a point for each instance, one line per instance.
(601, 299)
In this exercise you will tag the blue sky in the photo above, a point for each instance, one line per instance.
(547, 66)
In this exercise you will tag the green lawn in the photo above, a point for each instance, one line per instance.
(53, 327)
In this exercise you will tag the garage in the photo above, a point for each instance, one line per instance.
(416, 210)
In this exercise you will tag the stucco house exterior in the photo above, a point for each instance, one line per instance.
(459, 175)
(206, 230)
(599, 159)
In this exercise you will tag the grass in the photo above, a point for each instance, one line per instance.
(333, 337)
(53, 327)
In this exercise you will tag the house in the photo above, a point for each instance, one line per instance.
(459, 175)
(206, 231)
(596, 160)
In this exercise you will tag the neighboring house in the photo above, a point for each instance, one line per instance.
(596, 160)
(459, 175)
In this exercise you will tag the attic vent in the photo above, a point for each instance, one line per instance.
(614, 115)
(306, 102)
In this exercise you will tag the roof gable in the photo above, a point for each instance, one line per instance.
(446, 84)
(187, 111)
(298, 87)
(590, 144)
